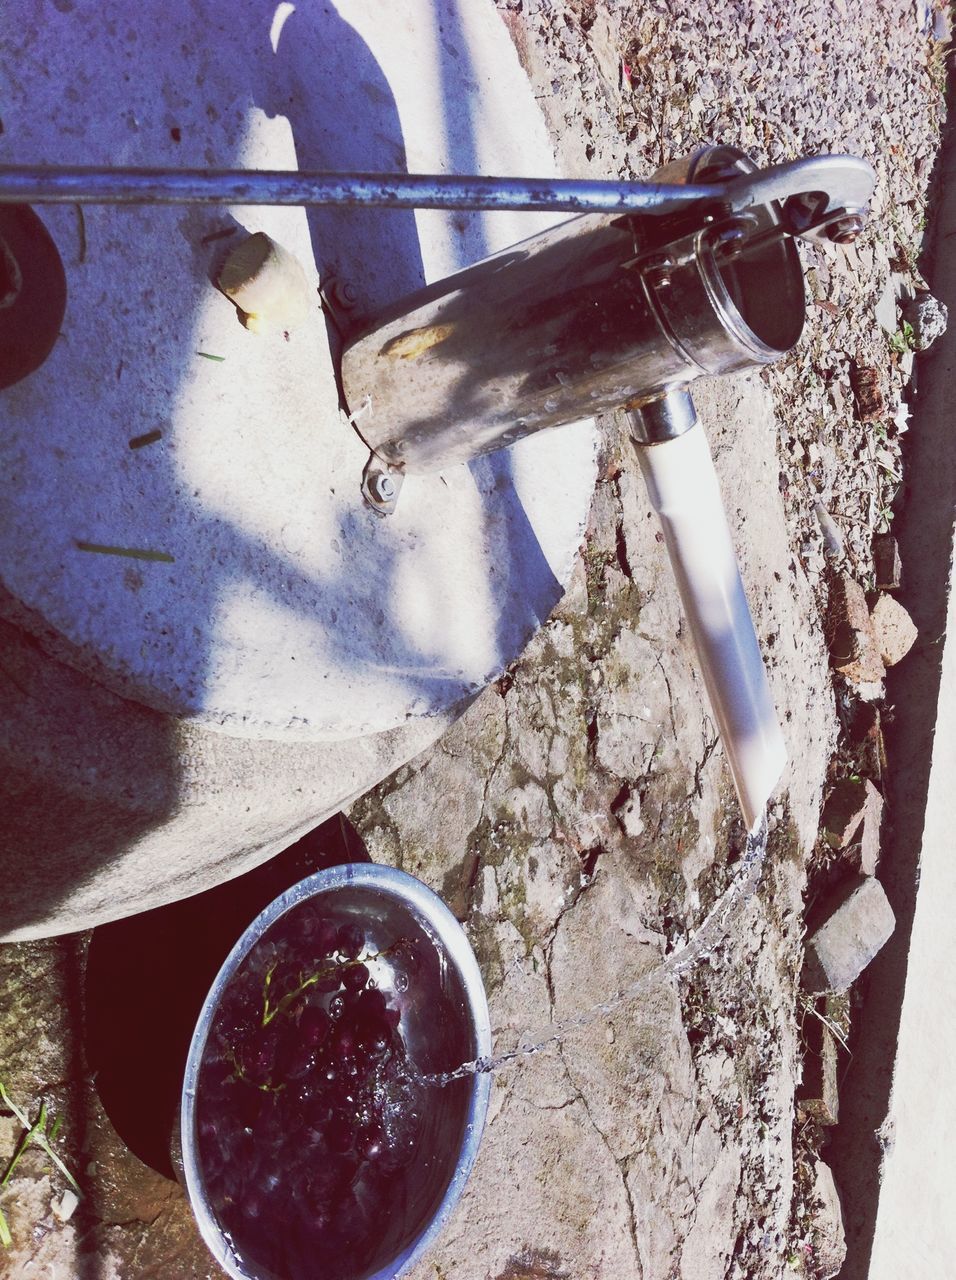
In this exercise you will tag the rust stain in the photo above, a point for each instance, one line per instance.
(417, 342)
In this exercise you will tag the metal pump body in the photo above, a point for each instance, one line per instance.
(601, 312)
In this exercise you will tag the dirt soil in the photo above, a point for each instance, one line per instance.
(579, 817)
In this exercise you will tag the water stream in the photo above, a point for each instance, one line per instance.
(701, 941)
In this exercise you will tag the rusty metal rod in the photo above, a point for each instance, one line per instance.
(844, 181)
(24, 184)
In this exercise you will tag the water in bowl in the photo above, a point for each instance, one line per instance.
(317, 1138)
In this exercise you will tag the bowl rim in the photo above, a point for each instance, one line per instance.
(398, 884)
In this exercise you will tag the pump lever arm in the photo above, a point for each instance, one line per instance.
(846, 181)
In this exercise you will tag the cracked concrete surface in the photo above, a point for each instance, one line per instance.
(652, 1142)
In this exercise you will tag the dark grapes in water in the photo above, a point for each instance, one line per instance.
(307, 1109)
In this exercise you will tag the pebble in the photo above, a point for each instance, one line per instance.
(64, 1208)
(853, 933)
(832, 537)
(928, 318)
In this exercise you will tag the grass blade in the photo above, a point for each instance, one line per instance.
(131, 553)
(6, 1239)
(37, 1134)
(38, 1127)
(24, 1143)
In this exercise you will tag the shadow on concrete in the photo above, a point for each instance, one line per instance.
(924, 528)
(68, 733)
(147, 977)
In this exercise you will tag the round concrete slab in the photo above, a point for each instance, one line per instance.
(288, 611)
(182, 515)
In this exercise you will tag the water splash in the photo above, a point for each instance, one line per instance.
(699, 944)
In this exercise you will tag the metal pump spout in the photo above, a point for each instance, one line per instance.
(684, 491)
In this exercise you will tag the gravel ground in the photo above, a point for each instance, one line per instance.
(585, 817)
(840, 76)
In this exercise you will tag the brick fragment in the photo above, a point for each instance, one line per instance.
(867, 393)
(886, 562)
(818, 1098)
(853, 648)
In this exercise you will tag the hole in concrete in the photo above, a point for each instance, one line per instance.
(589, 860)
(147, 976)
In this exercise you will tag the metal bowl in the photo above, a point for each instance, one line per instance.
(443, 1022)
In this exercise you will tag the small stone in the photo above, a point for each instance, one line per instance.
(832, 537)
(886, 308)
(628, 814)
(928, 318)
(886, 562)
(853, 648)
(869, 690)
(843, 812)
(64, 1207)
(894, 629)
(827, 1232)
(867, 393)
(872, 823)
(852, 935)
(267, 283)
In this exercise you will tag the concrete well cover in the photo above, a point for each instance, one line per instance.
(287, 609)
